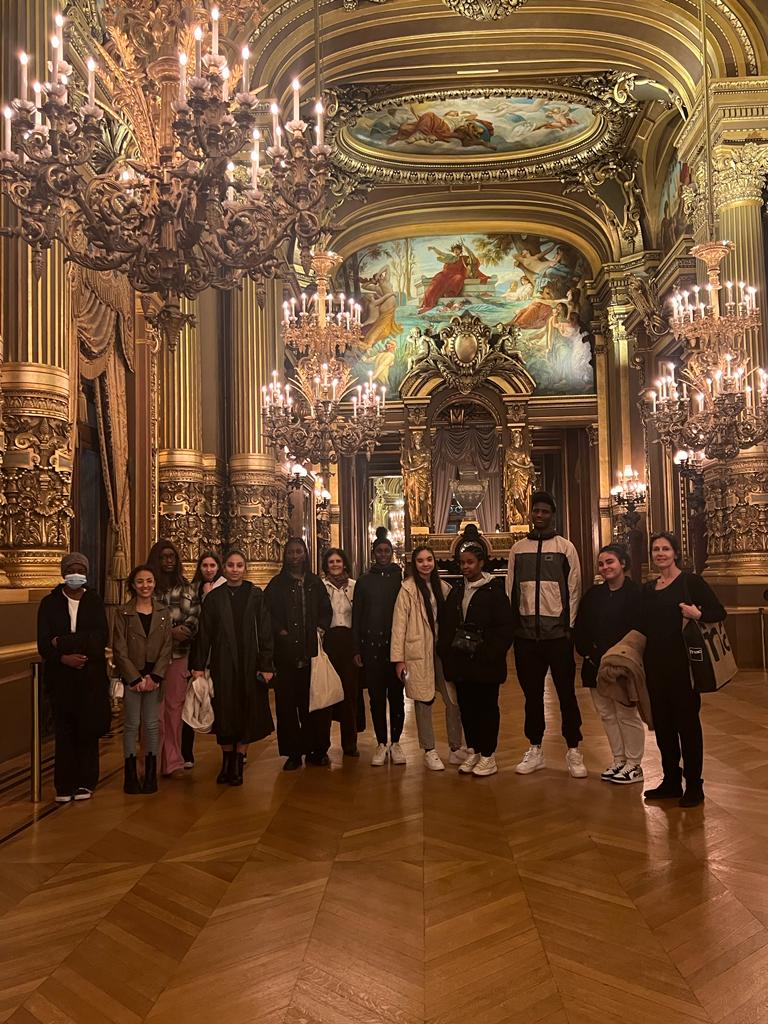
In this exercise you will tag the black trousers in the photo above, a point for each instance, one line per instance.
(675, 706)
(384, 688)
(533, 658)
(187, 742)
(76, 759)
(299, 731)
(479, 707)
(338, 646)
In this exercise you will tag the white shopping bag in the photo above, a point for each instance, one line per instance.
(325, 686)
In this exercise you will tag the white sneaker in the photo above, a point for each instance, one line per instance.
(486, 766)
(629, 773)
(460, 755)
(469, 764)
(575, 763)
(83, 793)
(533, 761)
(614, 769)
(432, 761)
(65, 798)
(380, 755)
(396, 754)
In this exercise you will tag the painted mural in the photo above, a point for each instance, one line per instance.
(471, 126)
(523, 280)
(673, 223)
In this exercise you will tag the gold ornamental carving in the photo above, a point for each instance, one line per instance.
(738, 178)
(36, 512)
(214, 521)
(519, 478)
(181, 511)
(416, 463)
(258, 515)
(484, 10)
(736, 496)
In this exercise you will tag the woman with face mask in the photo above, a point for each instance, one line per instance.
(235, 642)
(415, 626)
(475, 635)
(337, 573)
(607, 612)
(375, 595)
(299, 606)
(208, 576)
(72, 636)
(667, 602)
(141, 646)
(180, 598)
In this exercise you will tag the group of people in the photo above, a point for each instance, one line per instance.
(416, 637)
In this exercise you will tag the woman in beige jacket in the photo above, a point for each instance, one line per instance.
(413, 649)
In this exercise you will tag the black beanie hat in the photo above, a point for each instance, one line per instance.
(543, 498)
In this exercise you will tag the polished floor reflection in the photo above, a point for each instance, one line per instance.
(365, 896)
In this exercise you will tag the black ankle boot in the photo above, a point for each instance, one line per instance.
(236, 769)
(226, 767)
(694, 794)
(668, 790)
(131, 783)
(150, 773)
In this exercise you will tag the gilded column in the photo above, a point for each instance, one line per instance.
(258, 507)
(181, 468)
(37, 386)
(739, 180)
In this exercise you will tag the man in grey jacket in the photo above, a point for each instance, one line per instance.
(544, 587)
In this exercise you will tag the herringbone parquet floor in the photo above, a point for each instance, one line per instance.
(354, 895)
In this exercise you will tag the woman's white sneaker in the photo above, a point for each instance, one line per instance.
(380, 755)
(575, 763)
(486, 766)
(432, 761)
(396, 754)
(469, 763)
(533, 761)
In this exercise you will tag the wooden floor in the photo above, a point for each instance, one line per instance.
(364, 896)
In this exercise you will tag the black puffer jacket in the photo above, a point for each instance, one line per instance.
(490, 613)
(294, 646)
(373, 607)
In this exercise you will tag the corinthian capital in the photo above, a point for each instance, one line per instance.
(739, 174)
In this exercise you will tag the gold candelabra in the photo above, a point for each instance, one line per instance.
(209, 206)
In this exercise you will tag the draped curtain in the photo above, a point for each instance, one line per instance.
(466, 446)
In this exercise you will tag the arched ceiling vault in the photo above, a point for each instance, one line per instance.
(501, 210)
(423, 45)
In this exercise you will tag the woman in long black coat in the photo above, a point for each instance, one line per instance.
(72, 634)
(480, 608)
(235, 633)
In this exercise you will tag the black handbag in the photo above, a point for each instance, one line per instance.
(466, 639)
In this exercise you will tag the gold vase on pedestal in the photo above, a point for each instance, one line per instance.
(36, 511)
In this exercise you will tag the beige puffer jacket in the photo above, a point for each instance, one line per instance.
(412, 641)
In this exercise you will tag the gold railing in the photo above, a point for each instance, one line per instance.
(10, 653)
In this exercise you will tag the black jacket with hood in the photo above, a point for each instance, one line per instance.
(490, 614)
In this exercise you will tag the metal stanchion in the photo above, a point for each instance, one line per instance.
(762, 634)
(36, 746)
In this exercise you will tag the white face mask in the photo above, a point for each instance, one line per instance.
(75, 580)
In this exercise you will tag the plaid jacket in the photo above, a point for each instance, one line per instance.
(184, 606)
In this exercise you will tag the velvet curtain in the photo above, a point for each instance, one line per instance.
(466, 446)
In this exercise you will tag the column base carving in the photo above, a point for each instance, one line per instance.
(258, 514)
(214, 484)
(35, 498)
(181, 512)
(736, 495)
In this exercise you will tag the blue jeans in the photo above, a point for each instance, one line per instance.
(144, 709)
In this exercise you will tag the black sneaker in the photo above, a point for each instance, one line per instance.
(693, 796)
(292, 764)
(318, 760)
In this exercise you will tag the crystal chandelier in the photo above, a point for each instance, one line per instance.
(719, 403)
(628, 497)
(207, 207)
(307, 419)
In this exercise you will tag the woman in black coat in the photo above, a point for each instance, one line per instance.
(235, 642)
(72, 635)
(667, 602)
(477, 611)
(299, 605)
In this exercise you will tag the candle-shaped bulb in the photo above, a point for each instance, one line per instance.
(215, 31)
(245, 53)
(319, 111)
(198, 51)
(23, 63)
(91, 65)
(58, 20)
(7, 114)
(225, 83)
(296, 86)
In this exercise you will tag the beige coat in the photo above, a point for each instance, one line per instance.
(412, 641)
(621, 675)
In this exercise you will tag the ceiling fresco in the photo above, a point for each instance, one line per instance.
(530, 282)
(461, 126)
